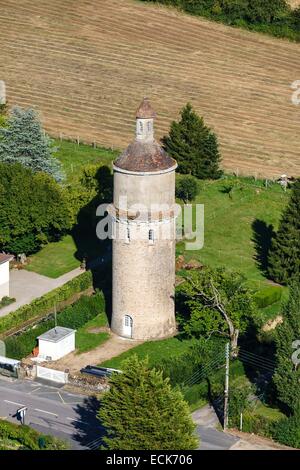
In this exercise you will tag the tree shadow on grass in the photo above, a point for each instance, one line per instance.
(96, 253)
(262, 238)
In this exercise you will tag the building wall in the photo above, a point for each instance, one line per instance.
(144, 271)
(144, 189)
(56, 350)
(4, 280)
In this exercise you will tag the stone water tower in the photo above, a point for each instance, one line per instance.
(143, 220)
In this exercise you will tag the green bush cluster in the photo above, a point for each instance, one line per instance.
(287, 431)
(6, 301)
(258, 424)
(194, 393)
(43, 305)
(267, 296)
(28, 438)
(274, 17)
(74, 316)
(200, 353)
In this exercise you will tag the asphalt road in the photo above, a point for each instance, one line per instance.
(72, 417)
(52, 411)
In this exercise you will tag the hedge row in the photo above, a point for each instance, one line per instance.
(74, 316)
(43, 305)
(28, 438)
(268, 296)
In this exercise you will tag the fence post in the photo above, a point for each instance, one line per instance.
(226, 391)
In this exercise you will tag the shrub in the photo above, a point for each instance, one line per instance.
(28, 437)
(194, 393)
(187, 188)
(43, 305)
(267, 296)
(287, 431)
(258, 424)
(6, 301)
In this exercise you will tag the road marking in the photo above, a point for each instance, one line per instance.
(44, 411)
(14, 403)
(35, 390)
(63, 401)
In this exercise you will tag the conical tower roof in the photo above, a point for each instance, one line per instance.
(145, 110)
(145, 155)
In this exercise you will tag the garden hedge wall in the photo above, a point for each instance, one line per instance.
(73, 316)
(28, 438)
(43, 305)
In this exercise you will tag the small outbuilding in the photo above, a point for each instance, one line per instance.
(4, 274)
(56, 343)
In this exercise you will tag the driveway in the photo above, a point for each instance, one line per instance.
(210, 438)
(26, 286)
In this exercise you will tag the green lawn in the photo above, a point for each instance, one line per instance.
(228, 232)
(73, 157)
(58, 258)
(55, 259)
(85, 340)
(155, 350)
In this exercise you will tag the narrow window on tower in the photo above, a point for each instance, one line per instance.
(127, 235)
(151, 237)
(141, 126)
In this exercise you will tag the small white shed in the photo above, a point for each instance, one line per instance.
(56, 343)
(4, 274)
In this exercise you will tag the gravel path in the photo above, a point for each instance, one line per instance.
(111, 348)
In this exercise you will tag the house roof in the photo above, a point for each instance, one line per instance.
(145, 110)
(143, 156)
(4, 258)
(56, 334)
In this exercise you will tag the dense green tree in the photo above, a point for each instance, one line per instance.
(284, 255)
(253, 11)
(33, 209)
(215, 301)
(193, 145)
(23, 141)
(141, 411)
(187, 188)
(3, 114)
(287, 373)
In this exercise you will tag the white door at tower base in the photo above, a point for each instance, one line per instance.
(128, 322)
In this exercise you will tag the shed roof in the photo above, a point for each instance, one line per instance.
(4, 258)
(56, 334)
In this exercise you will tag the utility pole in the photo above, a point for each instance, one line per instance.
(55, 317)
(226, 391)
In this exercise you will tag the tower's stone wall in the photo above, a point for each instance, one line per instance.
(144, 237)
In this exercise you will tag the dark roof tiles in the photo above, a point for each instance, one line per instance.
(144, 157)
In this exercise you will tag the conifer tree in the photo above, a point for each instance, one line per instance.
(284, 255)
(287, 373)
(193, 145)
(141, 411)
(23, 141)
